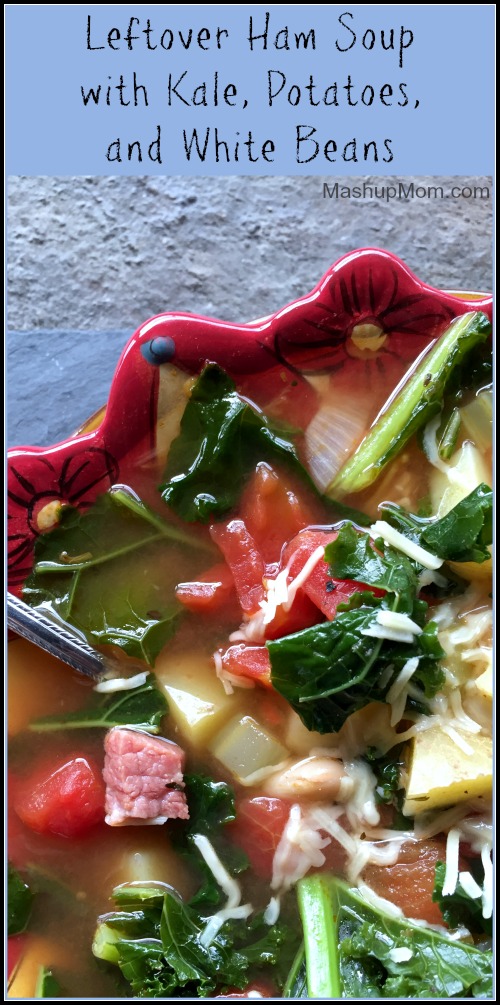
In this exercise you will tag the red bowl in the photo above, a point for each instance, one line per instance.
(367, 310)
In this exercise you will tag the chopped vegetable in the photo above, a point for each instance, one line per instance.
(448, 434)
(477, 418)
(47, 986)
(157, 943)
(460, 909)
(86, 572)
(64, 798)
(198, 704)
(328, 671)
(417, 402)
(210, 592)
(441, 773)
(19, 902)
(354, 949)
(258, 827)
(221, 439)
(463, 535)
(244, 747)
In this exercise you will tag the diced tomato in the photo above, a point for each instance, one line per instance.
(262, 990)
(258, 827)
(212, 591)
(283, 394)
(409, 883)
(273, 512)
(302, 614)
(324, 591)
(65, 799)
(248, 661)
(15, 948)
(244, 560)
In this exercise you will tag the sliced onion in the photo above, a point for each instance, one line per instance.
(332, 436)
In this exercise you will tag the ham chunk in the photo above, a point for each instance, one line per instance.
(143, 776)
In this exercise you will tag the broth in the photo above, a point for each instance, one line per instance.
(74, 878)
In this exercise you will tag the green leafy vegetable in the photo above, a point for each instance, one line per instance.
(19, 902)
(352, 950)
(352, 556)
(328, 671)
(143, 706)
(111, 573)
(448, 434)
(155, 940)
(211, 807)
(458, 908)
(211, 804)
(221, 439)
(47, 986)
(296, 983)
(463, 535)
(419, 400)
(388, 769)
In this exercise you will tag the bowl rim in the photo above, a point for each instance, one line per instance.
(252, 347)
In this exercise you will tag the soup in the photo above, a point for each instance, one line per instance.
(283, 786)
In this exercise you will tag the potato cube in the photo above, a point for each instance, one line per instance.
(440, 773)
(244, 746)
(197, 701)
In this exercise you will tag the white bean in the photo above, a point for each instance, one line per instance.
(318, 778)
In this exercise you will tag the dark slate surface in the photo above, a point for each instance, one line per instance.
(89, 259)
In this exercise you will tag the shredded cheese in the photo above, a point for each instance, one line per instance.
(272, 911)
(393, 626)
(233, 908)
(392, 619)
(379, 902)
(229, 885)
(378, 632)
(469, 885)
(400, 954)
(278, 593)
(394, 537)
(398, 691)
(121, 683)
(451, 873)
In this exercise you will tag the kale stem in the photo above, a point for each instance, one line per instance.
(418, 400)
(320, 937)
(127, 498)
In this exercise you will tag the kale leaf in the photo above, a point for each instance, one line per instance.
(110, 572)
(352, 950)
(155, 940)
(47, 986)
(352, 556)
(459, 908)
(19, 902)
(211, 807)
(143, 706)
(330, 670)
(463, 535)
(221, 439)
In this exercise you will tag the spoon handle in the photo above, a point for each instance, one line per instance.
(54, 637)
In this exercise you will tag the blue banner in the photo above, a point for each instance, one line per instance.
(249, 89)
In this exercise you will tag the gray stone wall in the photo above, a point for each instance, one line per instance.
(100, 255)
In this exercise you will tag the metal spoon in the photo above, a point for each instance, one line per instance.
(55, 638)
